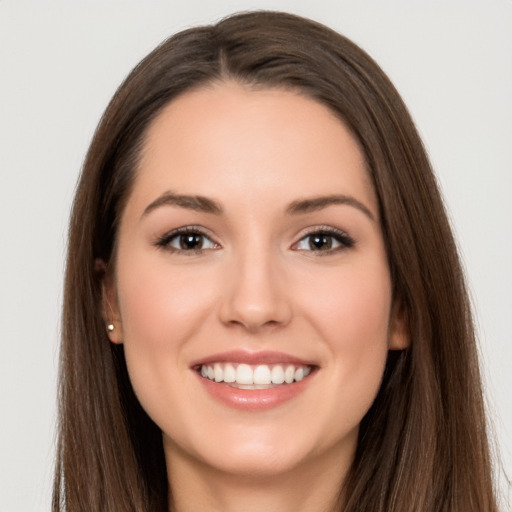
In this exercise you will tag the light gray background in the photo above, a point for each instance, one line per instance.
(60, 64)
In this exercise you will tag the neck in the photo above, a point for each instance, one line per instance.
(313, 487)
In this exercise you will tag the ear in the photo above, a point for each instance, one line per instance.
(109, 307)
(399, 337)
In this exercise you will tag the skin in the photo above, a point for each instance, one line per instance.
(256, 285)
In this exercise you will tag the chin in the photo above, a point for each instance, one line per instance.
(263, 452)
(256, 461)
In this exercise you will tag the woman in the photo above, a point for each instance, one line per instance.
(256, 312)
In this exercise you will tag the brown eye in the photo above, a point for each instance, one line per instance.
(320, 242)
(190, 241)
(186, 240)
(323, 241)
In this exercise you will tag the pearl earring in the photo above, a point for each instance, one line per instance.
(110, 327)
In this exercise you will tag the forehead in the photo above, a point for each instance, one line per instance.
(228, 138)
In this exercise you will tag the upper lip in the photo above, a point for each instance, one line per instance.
(253, 358)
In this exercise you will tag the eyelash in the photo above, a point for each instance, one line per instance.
(343, 239)
(165, 241)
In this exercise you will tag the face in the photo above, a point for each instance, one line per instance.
(251, 287)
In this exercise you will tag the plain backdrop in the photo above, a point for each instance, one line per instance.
(61, 62)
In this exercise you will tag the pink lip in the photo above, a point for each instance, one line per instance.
(243, 356)
(253, 399)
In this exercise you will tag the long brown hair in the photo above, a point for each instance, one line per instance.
(422, 445)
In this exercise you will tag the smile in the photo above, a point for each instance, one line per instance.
(262, 376)
(254, 381)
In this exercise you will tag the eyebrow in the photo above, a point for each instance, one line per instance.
(207, 205)
(196, 203)
(321, 202)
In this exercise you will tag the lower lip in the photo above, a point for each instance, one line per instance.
(254, 399)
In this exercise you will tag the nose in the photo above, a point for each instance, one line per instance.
(255, 295)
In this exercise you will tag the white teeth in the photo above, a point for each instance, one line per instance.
(244, 374)
(218, 373)
(254, 377)
(229, 373)
(277, 375)
(262, 375)
(289, 374)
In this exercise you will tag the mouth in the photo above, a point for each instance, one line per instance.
(254, 381)
(247, 376)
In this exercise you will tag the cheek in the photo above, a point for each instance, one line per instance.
(351, 305)
(352, 314)
(159, 303)
(161, 308)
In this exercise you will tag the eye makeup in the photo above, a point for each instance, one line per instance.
(186, 239)
(322, 240)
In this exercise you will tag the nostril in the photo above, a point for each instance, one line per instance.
(253, 324)
(255, 295)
